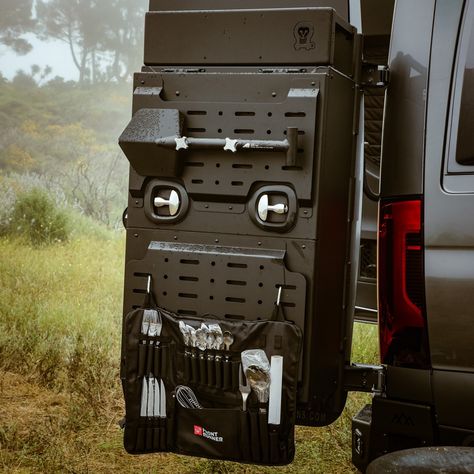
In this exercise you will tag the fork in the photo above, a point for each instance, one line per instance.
(155, 325)
(154, 330)
(244, 389)
(145, 322)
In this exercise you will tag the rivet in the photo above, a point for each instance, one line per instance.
(206, 206)
(230, 208)
(259, 244)
(303, 247)
(142, 82)
(175, 237)
(305, 212)
(216, 241)
(177, 92)
(313, 83)
(135, 235)
(274, 94)
(137, 202)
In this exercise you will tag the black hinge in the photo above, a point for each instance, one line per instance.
(375, 75)
(365, 378)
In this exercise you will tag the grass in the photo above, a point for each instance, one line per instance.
(60, 397)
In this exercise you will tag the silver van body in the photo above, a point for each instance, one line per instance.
(427, 156)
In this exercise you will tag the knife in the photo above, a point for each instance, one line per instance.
(151, 386)
(162, 400)
(156, 398)
(143, 406)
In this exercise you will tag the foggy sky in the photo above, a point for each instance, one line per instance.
(53, 53)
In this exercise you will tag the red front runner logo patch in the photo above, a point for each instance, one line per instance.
(212, 435)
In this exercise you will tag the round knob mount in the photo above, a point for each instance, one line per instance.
(264, 208)
(172, 203)
(176, 205)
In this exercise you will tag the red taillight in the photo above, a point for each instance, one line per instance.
(402, 319)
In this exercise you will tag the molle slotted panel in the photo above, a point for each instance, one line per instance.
(228, 174)
(229, 282)
(220, 173)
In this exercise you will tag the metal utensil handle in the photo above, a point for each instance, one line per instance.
(289, 145)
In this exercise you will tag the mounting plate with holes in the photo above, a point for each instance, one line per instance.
(164, 195)
(285, 203)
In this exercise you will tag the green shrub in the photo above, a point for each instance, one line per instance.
(37, 218)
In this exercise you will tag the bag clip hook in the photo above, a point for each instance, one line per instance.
(278, 301)
(148, 286)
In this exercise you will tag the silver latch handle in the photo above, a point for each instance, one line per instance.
(172, 203)
(264, 208)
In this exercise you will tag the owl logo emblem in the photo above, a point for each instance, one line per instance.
(304, 32)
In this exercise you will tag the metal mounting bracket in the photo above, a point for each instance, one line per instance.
(365, 378)
(375, 75)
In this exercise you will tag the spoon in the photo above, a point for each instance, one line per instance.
(259, 381)
(228, 339)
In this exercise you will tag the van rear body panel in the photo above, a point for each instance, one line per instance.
(449, 228)
(431, 406)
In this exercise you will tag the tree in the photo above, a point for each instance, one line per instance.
(77, 23)
(124, 36)
(16, 20)
(103, 35)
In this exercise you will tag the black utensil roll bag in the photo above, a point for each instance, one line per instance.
(221, 429)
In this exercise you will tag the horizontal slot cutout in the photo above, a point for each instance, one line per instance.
(188, 295)
(244, 131)
(189, 262)
(237, 183)
(196, 130)
(188, 278)
(196, 112)
(231, 299)
(197, 181)
(242, 166)
(237, 265)
(140, 292)
(234, 316)
(291, 168)
(288, 305)
(245, 114)
(142, 275)
(236, 282)
(295, 114)
(286, 287)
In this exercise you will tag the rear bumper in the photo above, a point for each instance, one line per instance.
(390, 425)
